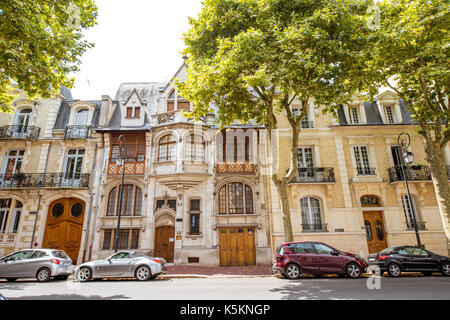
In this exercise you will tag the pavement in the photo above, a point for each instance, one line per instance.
(196, 271)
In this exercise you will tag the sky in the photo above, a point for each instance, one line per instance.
(135, 41)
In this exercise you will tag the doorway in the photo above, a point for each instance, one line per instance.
(164, 242)
(237, 246)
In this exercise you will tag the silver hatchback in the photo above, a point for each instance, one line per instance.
(42, 264)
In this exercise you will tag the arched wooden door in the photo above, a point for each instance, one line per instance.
(164, 242)
(64, 226)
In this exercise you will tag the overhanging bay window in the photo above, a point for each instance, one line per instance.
(135, 148)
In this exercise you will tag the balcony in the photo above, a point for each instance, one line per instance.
(314, 227)
(235, 167)
(41, 180)
(366, 171)
(314, 175)
(77, 132)
(131, 168)
(307, 124)
(19, 132)
(413, 173)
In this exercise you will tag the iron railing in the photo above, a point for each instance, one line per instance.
(366, 171)
(317, 227)
(77, 132)
(19, 132)
(420, 225)
(308, 175)
(412, 173)
(44, 180)
(307, 124)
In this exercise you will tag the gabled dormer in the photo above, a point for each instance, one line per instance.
(355, 113)
(133, 110)
(389, 107)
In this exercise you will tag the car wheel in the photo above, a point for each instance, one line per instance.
(85, 274)
(143, 273)
(11, 279)
(292, 271)
(353, 270)
(394, 270)
(445, 268)
(43, 275)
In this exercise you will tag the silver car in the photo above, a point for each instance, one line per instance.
(42, 264)
(123, 264)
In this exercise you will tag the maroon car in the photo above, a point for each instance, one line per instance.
(295, 258)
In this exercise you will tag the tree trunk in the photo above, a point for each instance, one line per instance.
(286, 210)
(435, 158)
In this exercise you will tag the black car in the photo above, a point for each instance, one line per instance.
(409, 259)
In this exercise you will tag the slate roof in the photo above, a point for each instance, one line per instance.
(62, 119)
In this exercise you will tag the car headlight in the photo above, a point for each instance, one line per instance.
(358, 257)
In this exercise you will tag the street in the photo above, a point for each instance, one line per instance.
(242, 288)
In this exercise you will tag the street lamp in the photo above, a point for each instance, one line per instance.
(404, 140)
(120, 161)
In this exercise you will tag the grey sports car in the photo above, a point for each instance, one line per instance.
(123, 264)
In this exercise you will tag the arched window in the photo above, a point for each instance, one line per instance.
(236, 198)
(131, 201)
(311, 214)
(195, 148)
(166, 148)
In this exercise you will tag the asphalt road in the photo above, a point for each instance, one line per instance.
(268, 288)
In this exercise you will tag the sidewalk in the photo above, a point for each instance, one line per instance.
(195, 271)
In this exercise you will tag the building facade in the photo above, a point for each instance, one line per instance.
(192, 192)
(349, 191)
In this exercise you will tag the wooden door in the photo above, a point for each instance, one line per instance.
(64, 226)
(164, 242)
(375, 234)
(237, 246)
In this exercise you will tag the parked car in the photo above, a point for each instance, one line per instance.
(42, 264)
(123, 264)
(409, 259)
(293, 259)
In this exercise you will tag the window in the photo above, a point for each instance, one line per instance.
(388, 114)
(134, 148)
(131, 201)
(167, 148)
(171, 203)
(323, 249)
(195, 148)
(128, 239)
(304, 248)
(195, 204)
(38, 254)
(236, 198)
(22, 121)
(21, 255)
(247, 149)
(171, 101)
(362, 161)
(74, 163)
(311, 214)
(13, 163)
(5, 210)
(121, 255)
(305, 162)
(194, 216)
(408, 211)
(353, 115)
(81, 117)
(133, 112)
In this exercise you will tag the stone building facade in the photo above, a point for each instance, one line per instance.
(196, 194)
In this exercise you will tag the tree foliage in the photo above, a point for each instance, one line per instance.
(41, 44)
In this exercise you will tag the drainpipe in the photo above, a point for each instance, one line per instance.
(91, 199)
(40, 197)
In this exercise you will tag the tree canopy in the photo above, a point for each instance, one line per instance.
(41, 43)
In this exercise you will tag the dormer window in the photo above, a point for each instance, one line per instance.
(171, 102)
(388, 114)
(133, 112)
(81, 118)
(180, 104)
(353, 115)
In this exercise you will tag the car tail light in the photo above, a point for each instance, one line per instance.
(382, 257)
(55, 261)
(156, 260)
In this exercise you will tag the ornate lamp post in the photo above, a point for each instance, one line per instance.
(120, 161)
(404, 140)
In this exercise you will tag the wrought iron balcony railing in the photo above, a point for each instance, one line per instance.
(41, 180)
(307, 124)
(412, 173)
(420, 225)
(77, 132)
(311, 175)
(317, 227)
(19, 132)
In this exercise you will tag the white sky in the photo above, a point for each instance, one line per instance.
(135, 41)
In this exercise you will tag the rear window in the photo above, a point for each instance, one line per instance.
(60, 254)
(279, 249)
(387, 250)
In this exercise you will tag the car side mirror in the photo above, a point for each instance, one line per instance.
(334, 253)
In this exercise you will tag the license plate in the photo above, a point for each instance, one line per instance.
(372, 259)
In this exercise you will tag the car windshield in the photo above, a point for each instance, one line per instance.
(387, 250)
(60, 254)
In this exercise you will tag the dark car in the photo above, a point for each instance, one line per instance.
(409, 259)
(294, 258)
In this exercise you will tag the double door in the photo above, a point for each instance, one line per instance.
(237, 246)
(164, 242)
(375, 234)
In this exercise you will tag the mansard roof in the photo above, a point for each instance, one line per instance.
(62, 119)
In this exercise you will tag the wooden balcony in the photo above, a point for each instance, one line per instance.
(131, 169)
(235, 167)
